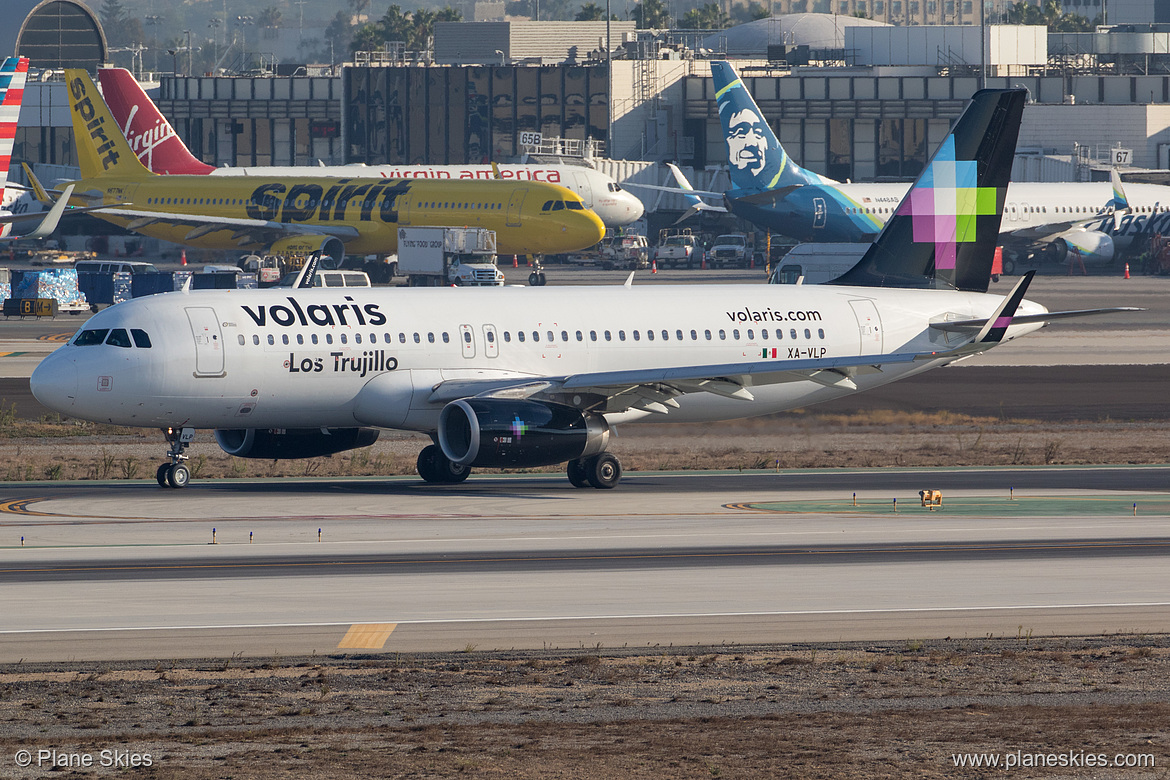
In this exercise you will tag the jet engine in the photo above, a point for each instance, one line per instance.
(331, 248)
(292, 442)
(499, 433)
(1092, 246)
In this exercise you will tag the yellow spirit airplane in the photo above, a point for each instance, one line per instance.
(285, 215)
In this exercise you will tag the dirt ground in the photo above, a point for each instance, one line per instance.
(1055, 707)
(829, 711)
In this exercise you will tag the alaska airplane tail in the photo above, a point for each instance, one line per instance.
(945, 230)
(13, 73)
(102, 150)
(149, 134)
(758, 161)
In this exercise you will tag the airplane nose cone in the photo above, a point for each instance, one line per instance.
(636, 207)
(590, 228)
(54, 383)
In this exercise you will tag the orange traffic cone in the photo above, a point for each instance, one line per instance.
(1127, 270)
(653, 266)
(515, 262)
(183, 257)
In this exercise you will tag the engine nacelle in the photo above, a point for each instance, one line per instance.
(331, 248)
(285, 443)
(1092, 246)
(499, 433)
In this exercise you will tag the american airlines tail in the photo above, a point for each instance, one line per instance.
(758, 161)
(12, 76)
(149, 134)
(945, 230)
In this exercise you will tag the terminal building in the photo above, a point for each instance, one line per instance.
(853, 99)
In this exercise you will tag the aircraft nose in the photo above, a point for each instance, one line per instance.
(587, 227)
(636, 207)
(54, 382)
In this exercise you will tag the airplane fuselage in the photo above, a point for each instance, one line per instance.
(845, 213)
(371, 357)
(372, 210)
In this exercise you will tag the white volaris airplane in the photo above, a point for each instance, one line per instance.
(522, 377)
(158, 147)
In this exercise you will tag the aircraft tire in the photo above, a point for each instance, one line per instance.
(426, 465)
(161, 474)
(448, 471)
(178, 476)
(603, 471)
(534, 279)
(578, 475)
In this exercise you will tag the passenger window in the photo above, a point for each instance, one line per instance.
(491, 337)
(608, 337)
(779, 334)
(255, 338)
(357, 338)
(565, 335)
(447, 337)
(580, 336)
(271, 341)
(284, 338)
(466, 337)
(807, 333)
(694, 336)
(551, 337)
(751, 335)
(649, 335)
(536, 336)
(792, 333)
(637, 336)
(300, 338)
(520, 335)
(241, 338)
(119, 338)
(621, 335)
(707, 333)
(764, 334)
(385, 337)
(343, 337)
(142, 340)
(722, 335)
(820, 333)
(593, 335)
(677, 334)
(328, 338)
(417, 339)
(430, 338)
(313, 338)
(735, 334)
(401, 338)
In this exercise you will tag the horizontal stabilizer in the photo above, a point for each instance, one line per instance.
(968, 326)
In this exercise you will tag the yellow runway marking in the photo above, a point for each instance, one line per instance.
(59, 338)
(367, 636)
(20, 507)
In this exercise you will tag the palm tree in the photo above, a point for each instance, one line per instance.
(590, 12)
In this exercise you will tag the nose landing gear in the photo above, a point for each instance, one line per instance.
(175, 474)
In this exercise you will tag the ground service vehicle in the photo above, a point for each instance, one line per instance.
(678, 248)
(436, 257)
(730, 249)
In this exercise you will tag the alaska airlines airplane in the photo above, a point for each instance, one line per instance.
(303, 214)
(161, 150)
(527, 377)
(772, 191)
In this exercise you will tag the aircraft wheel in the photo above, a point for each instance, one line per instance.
(543, 279)
(427, 466)
(534, 279)
(178, 476)
(449, 471)
(578, 473)
(161, 474)
(603, 471)
(1009, 266)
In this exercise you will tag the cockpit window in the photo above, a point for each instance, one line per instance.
(558, 205)
(88, 338)
(141, 339)
(119, 338)
(576, 205)
(548, 204)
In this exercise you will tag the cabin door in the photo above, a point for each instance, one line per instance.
(869, 326)
(208, 341)
(515, 203)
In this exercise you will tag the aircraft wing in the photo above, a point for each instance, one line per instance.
(202, 224)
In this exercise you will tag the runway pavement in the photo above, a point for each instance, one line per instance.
(116, 570)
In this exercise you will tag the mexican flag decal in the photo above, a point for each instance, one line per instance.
(770, 352)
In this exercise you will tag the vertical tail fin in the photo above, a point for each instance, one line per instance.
(148, 132)
(945, 230)
(758, 161)
(12, 75)
(101, 148)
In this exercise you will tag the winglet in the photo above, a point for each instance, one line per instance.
(37, 188)
(49, 223)
(998, 323)
(496, 170)
(629, 280)
(308, 272)
(1120, 203)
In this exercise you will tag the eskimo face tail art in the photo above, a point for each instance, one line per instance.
(944, 232)
(758, 161)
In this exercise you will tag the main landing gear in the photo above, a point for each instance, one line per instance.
(434, 466)
(175, 474)
(602, 471)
